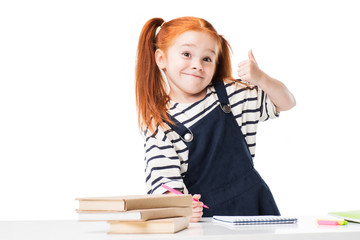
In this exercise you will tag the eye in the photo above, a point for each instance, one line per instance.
(207, 59)
(186, 54)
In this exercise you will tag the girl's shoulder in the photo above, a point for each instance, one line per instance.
(158, 133)
(237, 88)
(231, 83)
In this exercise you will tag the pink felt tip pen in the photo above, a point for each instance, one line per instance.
(177, 192)
(331, 222)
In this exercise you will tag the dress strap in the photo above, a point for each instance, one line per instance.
(185, 133)
(222, 95)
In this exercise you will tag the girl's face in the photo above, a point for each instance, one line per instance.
(189, 65)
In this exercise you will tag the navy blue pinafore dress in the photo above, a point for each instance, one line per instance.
(220, 166)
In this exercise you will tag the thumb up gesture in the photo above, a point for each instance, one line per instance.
(249, 71)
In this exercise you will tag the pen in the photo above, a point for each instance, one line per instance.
(177, 192)
(331, 222)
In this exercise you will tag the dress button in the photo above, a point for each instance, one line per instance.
(188, 137)
(226, 108)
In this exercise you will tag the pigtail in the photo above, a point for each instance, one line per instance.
(223, 68)
(151, 97)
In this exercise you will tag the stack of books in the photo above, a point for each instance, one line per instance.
(138, 213)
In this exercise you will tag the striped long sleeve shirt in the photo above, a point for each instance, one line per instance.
(166, 155)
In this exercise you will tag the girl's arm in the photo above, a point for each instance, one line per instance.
(278, 93)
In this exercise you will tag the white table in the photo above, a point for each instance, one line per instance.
(306, 228)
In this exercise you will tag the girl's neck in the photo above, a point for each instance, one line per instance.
(188, 98)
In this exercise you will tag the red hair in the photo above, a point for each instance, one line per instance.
(151, 97)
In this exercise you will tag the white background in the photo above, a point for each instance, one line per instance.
(68, 124)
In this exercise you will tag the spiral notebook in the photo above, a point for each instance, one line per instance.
(254, 220)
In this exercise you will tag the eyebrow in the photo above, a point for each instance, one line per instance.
(193, 45)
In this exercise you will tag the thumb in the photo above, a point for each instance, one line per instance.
(251, 56)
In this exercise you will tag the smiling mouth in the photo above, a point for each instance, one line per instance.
(193, 75)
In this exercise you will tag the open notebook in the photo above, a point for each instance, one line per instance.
(253, 220)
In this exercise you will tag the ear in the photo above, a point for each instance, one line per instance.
(160, 59)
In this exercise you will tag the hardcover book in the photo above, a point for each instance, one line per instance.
(133, 202)
(135, 215)
(165, 225)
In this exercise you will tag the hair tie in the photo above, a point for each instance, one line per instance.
(158, 29)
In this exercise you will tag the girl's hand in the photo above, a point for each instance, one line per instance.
(197, 209)
(249, 71)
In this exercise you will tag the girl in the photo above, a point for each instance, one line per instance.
(200, 123)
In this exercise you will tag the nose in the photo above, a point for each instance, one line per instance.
(197, 64)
